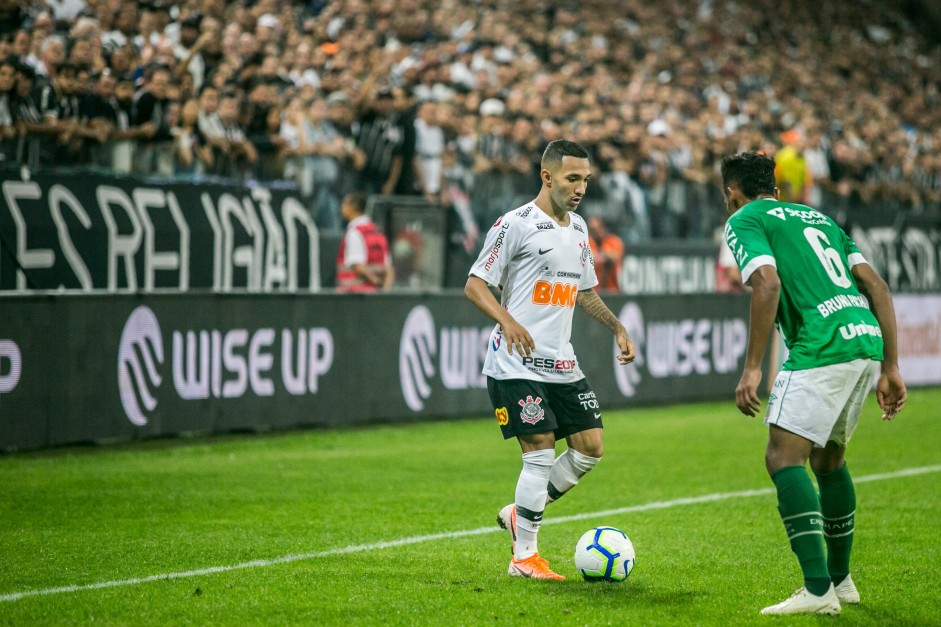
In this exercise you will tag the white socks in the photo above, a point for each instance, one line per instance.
(544, 478)
(531, 495)
(568, 468)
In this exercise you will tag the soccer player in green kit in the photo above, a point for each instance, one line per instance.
(807, 276)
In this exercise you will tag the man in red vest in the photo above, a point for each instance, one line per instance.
(363, 262)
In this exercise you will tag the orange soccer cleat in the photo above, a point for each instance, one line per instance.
(533, 567)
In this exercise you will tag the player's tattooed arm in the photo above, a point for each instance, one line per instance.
(589, 302)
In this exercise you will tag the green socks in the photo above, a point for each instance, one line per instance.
(800, 511)
(838, 505)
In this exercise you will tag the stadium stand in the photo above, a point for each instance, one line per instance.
(453, 100)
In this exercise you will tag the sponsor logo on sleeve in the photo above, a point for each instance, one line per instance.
(497, 245)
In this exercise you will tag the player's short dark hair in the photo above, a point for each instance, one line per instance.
(357, 199)
(752, 172)
(552, 157)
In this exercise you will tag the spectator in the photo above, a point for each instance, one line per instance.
(238, 155)
(208, 123)
(59, 109)
(51, 56)
(32, 126)
(124, 135)
(607, 249)
(493, 180)
(293, 133)
(19, 45)
(8, 130)
(100, 114)
(188, 51)
(325, 151)
(380, 136)
(353, 158)
(264, 130)
(791, 171)
(150, 106)
(191, 153)
(429, 147)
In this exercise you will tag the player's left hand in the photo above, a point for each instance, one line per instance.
(891, 393)
(628, 350)
(746, 393)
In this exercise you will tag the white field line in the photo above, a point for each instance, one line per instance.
(359, 548)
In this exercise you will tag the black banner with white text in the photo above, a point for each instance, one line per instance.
(91, 232)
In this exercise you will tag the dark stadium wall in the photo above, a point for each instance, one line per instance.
(121, 367)
(104, 368)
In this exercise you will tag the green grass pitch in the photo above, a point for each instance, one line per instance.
(394, 525)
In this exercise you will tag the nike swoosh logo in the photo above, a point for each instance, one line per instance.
(543, 252)
(597, 416)
(523, 572)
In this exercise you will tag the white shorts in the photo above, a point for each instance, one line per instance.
(821, 404)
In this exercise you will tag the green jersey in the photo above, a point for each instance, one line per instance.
(821, 314)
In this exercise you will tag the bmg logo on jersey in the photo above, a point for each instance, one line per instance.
(555, 293)
(216, 363)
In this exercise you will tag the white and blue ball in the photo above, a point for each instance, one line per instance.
(604, 554)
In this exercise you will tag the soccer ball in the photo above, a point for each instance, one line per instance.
(604, 554)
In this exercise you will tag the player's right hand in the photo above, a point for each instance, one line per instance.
(891, 393)
(518, 337)
(746, 393)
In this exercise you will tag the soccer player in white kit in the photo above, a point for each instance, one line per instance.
(539, 257)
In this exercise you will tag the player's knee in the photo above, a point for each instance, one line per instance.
(595, 450)
(826, 460)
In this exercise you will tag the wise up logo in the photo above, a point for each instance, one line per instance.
(139, 354)
(216, 363)
(11, 366)
(454, 355)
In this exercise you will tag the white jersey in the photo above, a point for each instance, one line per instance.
(540, 268)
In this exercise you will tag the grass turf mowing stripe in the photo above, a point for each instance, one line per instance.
(693, 500)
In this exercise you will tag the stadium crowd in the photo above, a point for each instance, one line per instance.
(454, 100)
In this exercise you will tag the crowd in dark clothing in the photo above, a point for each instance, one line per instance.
(454, 101)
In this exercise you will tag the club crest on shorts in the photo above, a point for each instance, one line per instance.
(532, 412)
